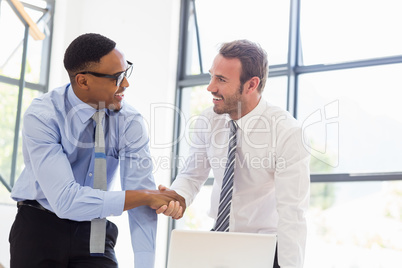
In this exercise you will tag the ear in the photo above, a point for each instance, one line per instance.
(251, 85)
(81, 81)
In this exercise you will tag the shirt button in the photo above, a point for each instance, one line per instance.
(90, 174)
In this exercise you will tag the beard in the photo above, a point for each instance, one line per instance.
(231, 104)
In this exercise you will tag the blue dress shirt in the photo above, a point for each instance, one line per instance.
(58, 149)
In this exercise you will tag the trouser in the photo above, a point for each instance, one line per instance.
(39, 238)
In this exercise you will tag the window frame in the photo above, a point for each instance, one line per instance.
(42, 86)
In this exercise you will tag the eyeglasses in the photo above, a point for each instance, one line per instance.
(119, 77)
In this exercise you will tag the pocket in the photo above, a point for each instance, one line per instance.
(12, 233)
(112, 233)
(19, 224)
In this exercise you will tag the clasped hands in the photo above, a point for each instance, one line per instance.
(174, 206)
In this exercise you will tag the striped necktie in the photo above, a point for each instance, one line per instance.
(222, 221)
(98, 226)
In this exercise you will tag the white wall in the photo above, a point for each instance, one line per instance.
(147, 32)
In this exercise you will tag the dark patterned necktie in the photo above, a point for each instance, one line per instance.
(222, 221)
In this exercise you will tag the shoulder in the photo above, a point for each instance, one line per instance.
(127, 113)
(280, 117)
(49, 104)
(129, 119)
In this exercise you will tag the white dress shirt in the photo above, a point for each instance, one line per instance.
(271, 181)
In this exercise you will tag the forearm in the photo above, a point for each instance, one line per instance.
(135, 198)
(291, 243)
(152, 198)
(190, 180)
(143, 225)
(292, 186)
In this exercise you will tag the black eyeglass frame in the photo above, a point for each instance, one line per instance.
(119, 77)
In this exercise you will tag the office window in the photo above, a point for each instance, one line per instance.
(334, 65)
(353, 118)
(338, 31)
(355, 224)
(8, 102)
(218, 21)
(194, 101)
(24, 74)
(275, 91)
(196, 215)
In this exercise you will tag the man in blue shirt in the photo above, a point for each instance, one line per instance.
(56, 201)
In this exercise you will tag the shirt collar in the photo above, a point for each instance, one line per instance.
(81, 109)
(247, 122)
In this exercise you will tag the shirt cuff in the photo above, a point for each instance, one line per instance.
(144, 259)
(186, 198)
(113, 203)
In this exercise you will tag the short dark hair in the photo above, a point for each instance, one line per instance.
(253, 58)
(85, 50)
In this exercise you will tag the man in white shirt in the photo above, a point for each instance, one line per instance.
(271, 174)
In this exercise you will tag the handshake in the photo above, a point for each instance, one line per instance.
(176, 207)
(163, 200)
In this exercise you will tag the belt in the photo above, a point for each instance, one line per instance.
(34, 204)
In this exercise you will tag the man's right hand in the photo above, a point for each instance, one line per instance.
(163, 200)
(174, 209)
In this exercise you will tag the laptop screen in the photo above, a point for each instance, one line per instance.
(205, 249)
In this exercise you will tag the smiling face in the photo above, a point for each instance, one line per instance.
(101, 92)
(225, 86)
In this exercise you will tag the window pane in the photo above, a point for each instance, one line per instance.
(8, 102)
(38, 3)
(192, 55)
(275, 91)
(194, 101)
(10, 58)
(344, 30)
(11, 51)
(355, 224)
(196, 216)
(353, 118)
(35, 55)
(262, 21)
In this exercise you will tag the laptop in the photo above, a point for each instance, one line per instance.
(206, 249)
